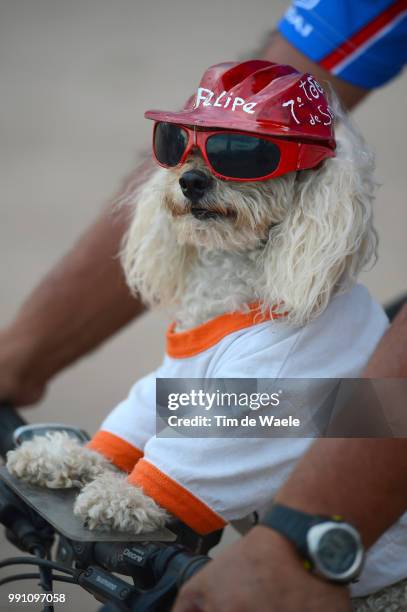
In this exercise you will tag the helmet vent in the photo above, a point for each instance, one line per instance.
(263, 78)
(240, 72)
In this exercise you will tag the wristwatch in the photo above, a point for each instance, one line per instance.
(329, 547)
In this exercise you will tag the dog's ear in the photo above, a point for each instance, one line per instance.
(154, 263)
(327, 235)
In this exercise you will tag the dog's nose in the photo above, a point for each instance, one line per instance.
(194, 184)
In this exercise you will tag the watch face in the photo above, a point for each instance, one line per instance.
(337, 551)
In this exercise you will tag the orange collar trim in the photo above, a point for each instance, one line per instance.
(198, 339)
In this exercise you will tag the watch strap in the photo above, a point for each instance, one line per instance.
(294, 525)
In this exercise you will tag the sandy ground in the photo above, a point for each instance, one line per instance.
(75, 78)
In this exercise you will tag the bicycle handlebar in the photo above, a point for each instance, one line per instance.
(158, 569)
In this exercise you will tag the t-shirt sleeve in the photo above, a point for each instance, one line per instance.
(126, 429)
(207, 482)
(364, 42)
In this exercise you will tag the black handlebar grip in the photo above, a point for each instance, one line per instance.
(9, 421)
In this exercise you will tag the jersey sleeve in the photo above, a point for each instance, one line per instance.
(364, 42)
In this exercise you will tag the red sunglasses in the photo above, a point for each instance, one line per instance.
(233, 155)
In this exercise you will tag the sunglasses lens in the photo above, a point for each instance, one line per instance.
(170, 142)
(241, 156)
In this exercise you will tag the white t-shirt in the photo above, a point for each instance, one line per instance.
(208, 482)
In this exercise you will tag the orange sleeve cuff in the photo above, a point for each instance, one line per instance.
(119, 452)
(175, 498)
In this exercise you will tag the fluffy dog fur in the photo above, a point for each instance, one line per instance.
(294, 241)
(56, 461)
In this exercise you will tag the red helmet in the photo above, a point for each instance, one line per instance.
(260, 97)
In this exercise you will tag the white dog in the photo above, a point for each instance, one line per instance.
(261, 276)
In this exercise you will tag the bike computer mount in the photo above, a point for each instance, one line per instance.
(28, 432)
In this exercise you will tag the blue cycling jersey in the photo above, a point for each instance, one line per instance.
(363, 41)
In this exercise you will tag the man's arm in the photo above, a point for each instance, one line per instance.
(80, 303)
(351, 476)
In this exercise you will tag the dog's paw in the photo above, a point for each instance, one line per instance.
(110, 502)
(55, 461)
